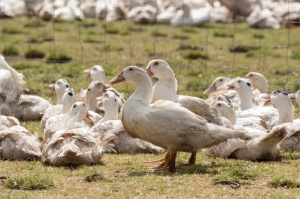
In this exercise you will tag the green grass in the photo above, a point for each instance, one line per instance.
(32, 182)
(58, 56)
(196, 58)
(10, 50)
(282, 182)
(34, 53)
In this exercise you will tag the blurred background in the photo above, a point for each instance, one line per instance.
(200, 39)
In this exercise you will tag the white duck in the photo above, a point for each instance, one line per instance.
(165, 123)
(96, 73)
(25, 107)
(68, 100)
(95, 89)
(258, 81)
(110, 103)
(261, 148)
(166, 89)
(11, 83)
(59, 88)
(72, 147)
(291, 142)
(117, 141)
(16, 143)
(254, 126)
(8, 121)
(77, 113)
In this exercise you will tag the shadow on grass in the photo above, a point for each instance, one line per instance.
(183, 169)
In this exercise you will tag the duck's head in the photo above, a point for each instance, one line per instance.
(258, 81)
(95, 89)
(96, 73)
(159, 68)
(79, 112)
(240, 85)
(217, 83)
(131, 74)
(224, 98)
(108, 100)
(277, 98)
(223, 107)
(68, 99)
(59, 86)
(295, 96)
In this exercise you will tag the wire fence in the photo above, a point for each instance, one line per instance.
(229, 61)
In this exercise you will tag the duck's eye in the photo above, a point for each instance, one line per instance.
(248, 84)
(219, 105)
(156, 63)
(239, 81)
(67, 86)
(89, 89)
(83, 104)
(221, 80)
(74, 106)
(250, 75)
(58, 82)
(71, 94)
(115, 100)
(130, 69)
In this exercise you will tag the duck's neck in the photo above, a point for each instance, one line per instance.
(92, 104)
(143, 92)
(111, 113)
(230, 115)
(66, 107)
(246, 99)
(59, 97)
(286, 112)
(166, 89)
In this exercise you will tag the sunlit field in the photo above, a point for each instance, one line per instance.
(45, 51)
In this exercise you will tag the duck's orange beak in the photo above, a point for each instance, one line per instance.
(292, 96)
(52, 87)
(210, 89)
(99, 99)
(230, 87)
(268, 98)
(88, 118)
(117, 79)
(149, 72)
(89, 73)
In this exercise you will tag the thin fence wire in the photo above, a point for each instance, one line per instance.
(155, 43)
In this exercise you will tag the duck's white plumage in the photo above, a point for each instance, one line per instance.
(11, 82)
(261, 148)
(72, 147)
(16, 143)
(166, 89)
(165, 123)
(118, 141)
(69, 120)
(68, 100)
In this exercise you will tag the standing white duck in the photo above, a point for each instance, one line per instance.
(68, 100)
(70, 120)
(111, 105)
(95, 89)
(165, 123)
(16, 143)
(72, 147)
(166, 89)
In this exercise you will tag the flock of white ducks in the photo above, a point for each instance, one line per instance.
(238, 120)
